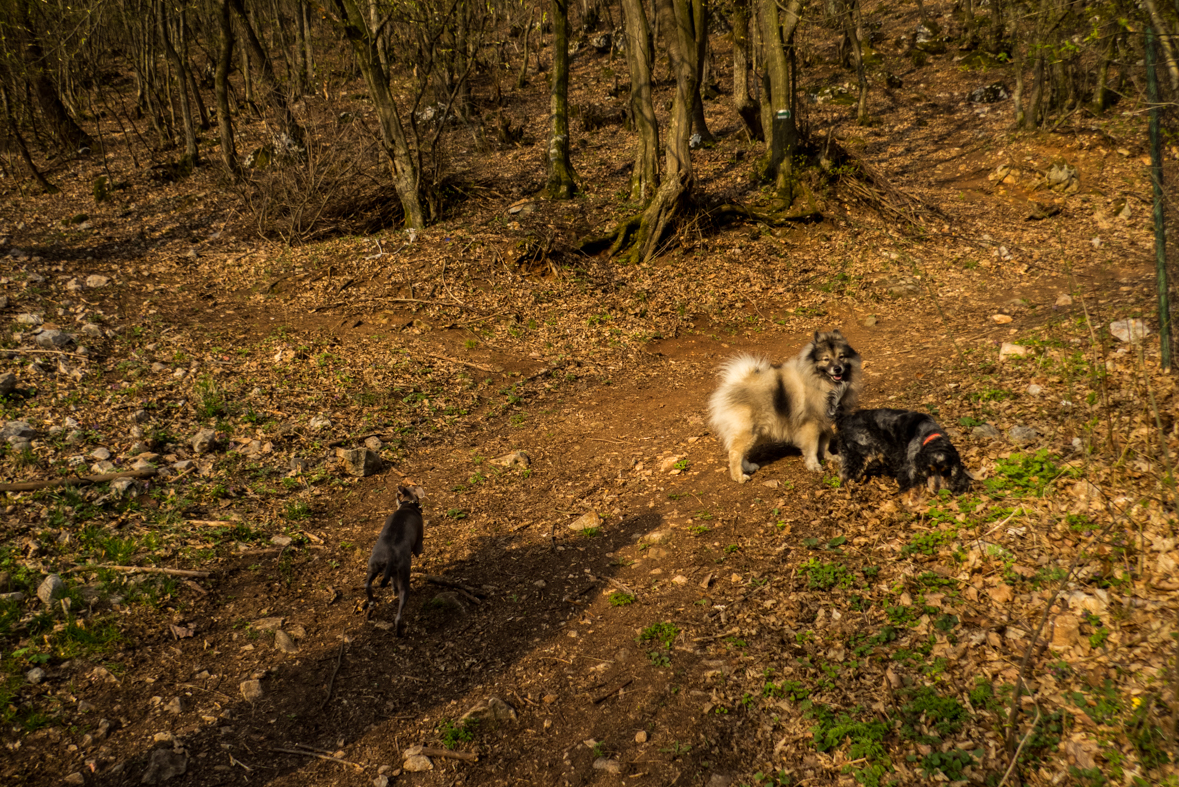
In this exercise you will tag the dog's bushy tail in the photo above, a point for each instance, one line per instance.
(741, 366)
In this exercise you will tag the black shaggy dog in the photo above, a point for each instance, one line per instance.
(399, 541)
(910, 447)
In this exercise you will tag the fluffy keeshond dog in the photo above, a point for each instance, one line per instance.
(909, 446)
(793, 402)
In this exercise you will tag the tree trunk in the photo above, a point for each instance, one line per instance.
(67, 130)
(699, 55)
(854, 34)
(247, 72)
(300, 81)
(560, 185)
(182, 27)
(192, 156)
(639, 56)
(1166, 32)
(275, 94)
(522, 77)
(1101, 88)
(747, 108)
(404, 168)
(776, 34)
(46, 186)
(308, 56)
(221, 91)
(678, 177)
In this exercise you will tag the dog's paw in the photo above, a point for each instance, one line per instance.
(740, 478)
(749, 467)
(813, 465)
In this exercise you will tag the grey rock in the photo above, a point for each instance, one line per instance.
(76, 437)
(373, 443)
(1009, 350)
(139, 448)
(94, 281)
(140, 416)
(100, 453)
(989, 94)
(586, 521)
(283, 642)
(299, 465)
(381, 780)
(142, 464)
(985, 432)
(1033, 390)
(158, 367)
(359, 462)
(491, 709)
(182, 465)
(19, 445)
(319, 423)
(417, 763)
(1064, 299)
(1022, 435)
(7, 383)
(165, 764)
(1129, 330)
(204, 441)
(870, 321)
(695, 142)
(19, 429)
(120, 486)
(53, 339)
(92, 330)
(513, 459)
(75, 778)
(35, 675)
(29, 319)
(102, 468)
(268, 624)
(175, 706)
(608, 765)
(1062, 177)
(15, 596)
(251, 690)
(51, 589)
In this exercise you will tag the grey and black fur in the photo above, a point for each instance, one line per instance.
(793, 402)
(909, 446)
(400, 539)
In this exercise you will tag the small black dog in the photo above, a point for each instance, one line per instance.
(401, 536)
(910, 446)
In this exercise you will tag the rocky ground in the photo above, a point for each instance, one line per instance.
(598, 602)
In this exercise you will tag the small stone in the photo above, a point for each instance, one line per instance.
(51, 589)
(7, 383)
(704, 583)
(655, 537)
(19, 429)
(417, 763)
(29, 319)
(182, 465)
(100, 453)
(1000, 319)
(586, 521)
(359, 462)
(670, 463)
(120, 486)
(870, 321)
(381, 781)
(1033, 390)
(103, 468)
(679, 579)
(53, 339)
(92, 331)
(540, 583)
(268, 624)
(204, 441)
(284, 643)
(373, 443)
(549, 699)
(142, 465)
(641, 736)
(1064, 299)
(1008, 350)
(319, 423)
(492, 709)
(1125, 213)
(1129, 330)
(1022, 435)
(251, 690)
(165, 764)
(35, 676)
(514, 459)
(281, 540)
(75, 778)
(140, 416)
(608, 765)
(158, 367)
(94, 281)
(174, 706)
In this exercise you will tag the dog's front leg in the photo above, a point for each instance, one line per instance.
(811, 439)
(739, 466)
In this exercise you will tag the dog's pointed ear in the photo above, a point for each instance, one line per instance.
(838, 334)
(816, 339)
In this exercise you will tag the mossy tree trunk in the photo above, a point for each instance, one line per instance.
(699, 55)
(561, 184)
(676, 22)
(403, 165)
(747, 108)
(853, 31)
(221, 90)
(276, 96)
(639, 56)
(777, 33)
(192, 156)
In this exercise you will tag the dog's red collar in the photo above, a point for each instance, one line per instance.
(931, 437)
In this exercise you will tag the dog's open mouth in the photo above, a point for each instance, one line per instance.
(836, 376)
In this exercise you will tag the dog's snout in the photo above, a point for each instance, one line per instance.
(836, 369)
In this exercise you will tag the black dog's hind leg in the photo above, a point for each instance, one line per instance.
(851, 464)
(368, 588)
(402, 595)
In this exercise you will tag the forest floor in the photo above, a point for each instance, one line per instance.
(785, 631)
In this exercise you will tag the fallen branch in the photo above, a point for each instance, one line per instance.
(332, 680)
(450, 583)
(614, 691)
(479, 366)
(328, 757)
(29, 486)
(172, 572)
(465, 756)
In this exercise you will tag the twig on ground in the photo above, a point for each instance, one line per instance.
(318, 756)
(1022, 743)
(613, 691)
(465, 756)
(332, 680)
(450, 583)
(30, 486)
(172, 572)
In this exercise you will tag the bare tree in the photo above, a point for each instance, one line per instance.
(221, 90)
(192, 155)
(639, 55)
(561, 184)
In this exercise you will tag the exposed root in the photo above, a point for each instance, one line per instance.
(874, 191)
